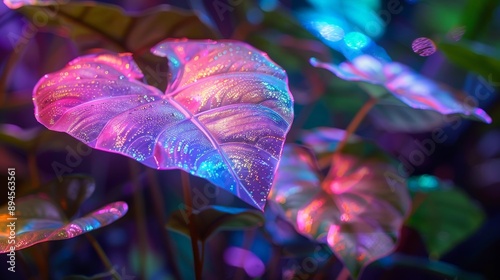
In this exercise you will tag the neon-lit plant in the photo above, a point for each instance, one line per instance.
(187, 117)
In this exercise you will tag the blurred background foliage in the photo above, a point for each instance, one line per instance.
(453, 231)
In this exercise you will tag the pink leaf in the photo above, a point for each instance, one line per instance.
(38, 219)
(413, 89)
(224, 116)
(358, 214)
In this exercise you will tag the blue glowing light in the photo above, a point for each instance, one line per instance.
(330, 32)
(356, 40)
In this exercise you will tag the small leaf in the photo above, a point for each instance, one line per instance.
(16, 136)
(38, 219)
(213, 219)
(358, 214)
(446, 215)
(224, 116)
(481, 59)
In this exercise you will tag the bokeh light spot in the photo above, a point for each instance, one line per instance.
(356, 40)
(245, 259)
(330, 32)
(423, 46)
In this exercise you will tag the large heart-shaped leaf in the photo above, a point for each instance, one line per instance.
(444, 215)
(224, 116)
(38, 219)
(359, 213)
(213, 219)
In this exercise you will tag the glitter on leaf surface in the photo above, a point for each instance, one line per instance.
(223, 117)
(403, 83)
(358, 214)
(39, 219)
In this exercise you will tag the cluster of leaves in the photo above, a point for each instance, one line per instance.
(222, 111)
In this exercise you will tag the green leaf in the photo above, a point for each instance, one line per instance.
(477, 16)
(97, 25)
(473, 56)
(213, 219)
(444, 215)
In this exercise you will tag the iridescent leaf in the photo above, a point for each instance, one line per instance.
(213, 219)
(411, 88)
(224, 115)
(38, 219)
(444, 216)
(358, 214)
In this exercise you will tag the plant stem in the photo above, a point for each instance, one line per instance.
(102, 255)
(202, 253)
(188, 200)
(351, 128)
(140, 216)
(356, 121)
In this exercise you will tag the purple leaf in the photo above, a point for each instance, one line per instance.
(224, 116)
(411, 88)
(358, 214)
(38, 219)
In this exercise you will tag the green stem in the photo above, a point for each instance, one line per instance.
(356, 122)
(102, 255)
(188, 200)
